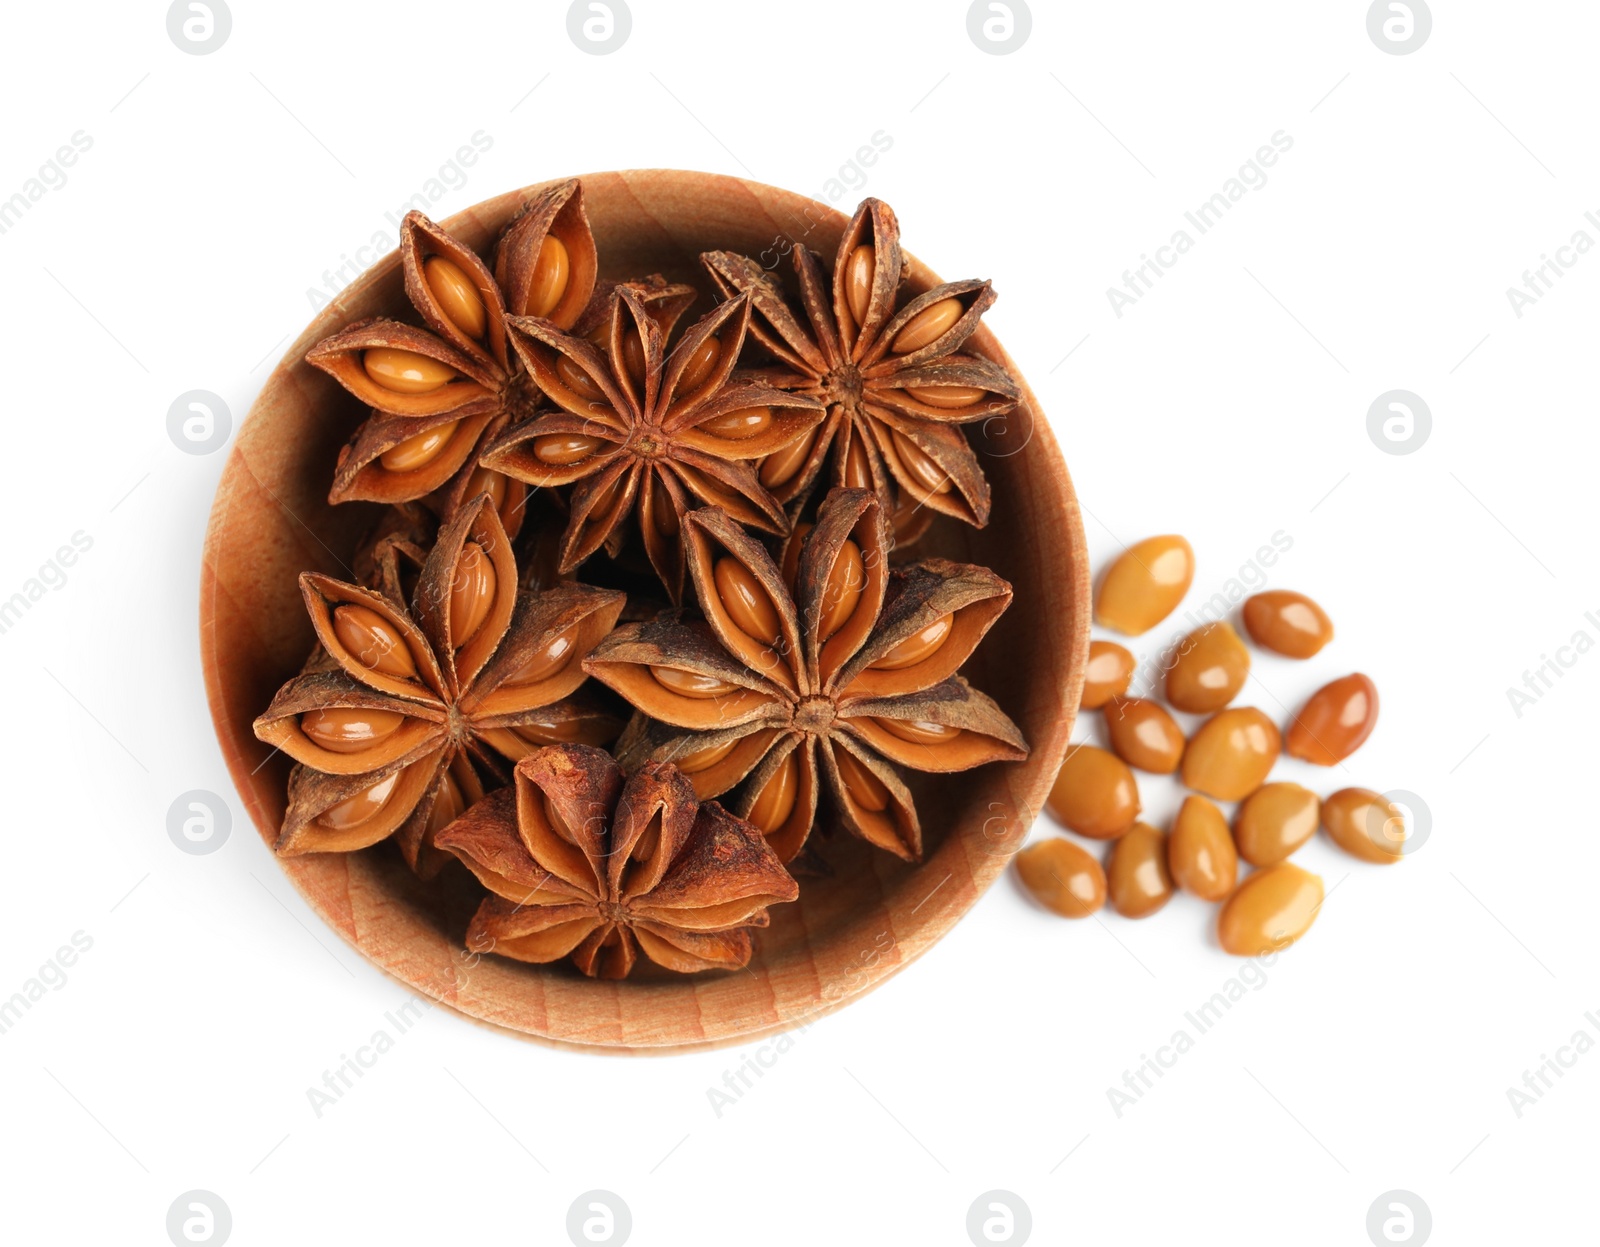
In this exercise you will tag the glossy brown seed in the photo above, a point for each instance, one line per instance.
(1094, 794)
(1137, 880)
(1200, 850)
(946, 396)
(739, 426)
(927, 325)
(419, 450)
(1335, 722)
(447, 806)
(772, 808)
(373, 641)
(1145, 584)
(405, 372)
(663, 513)
(1287, 623)
(1063, 877)
(858, 273)
(1144, 735)
(1366, 825)
(578, 381)
(842, 594)
(562, 450)
(366, 804)
(1231, 754)
(919, 465)
(700, 364)
(747, 603)
(349, 729)
(633, 356)
(551, 273)
(1106, 675)
(551, 658)
(691, 684)
(782, 466)
(1209, 667)
(471, 593)
(705, 759)
(458, 298)
(1274, 821)
(916, 647)
(488, 481)
(1273, 908)
(919, 731)
(857, 467)
(865, 788)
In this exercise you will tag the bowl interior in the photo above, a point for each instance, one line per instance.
(848, 932)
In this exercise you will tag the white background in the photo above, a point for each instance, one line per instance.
(1229, 404)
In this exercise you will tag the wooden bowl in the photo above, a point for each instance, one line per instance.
(847, 933)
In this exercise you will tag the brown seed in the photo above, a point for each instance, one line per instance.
(349, 729)
(1063, 877)
(578, 381)
(782, 466)
(1106, 675)
(550, 276)
(1145, 584)
(930, 323)
(772, 808)
(1200, 850)
(705, 759)
(692, 684)
(739, 426)
(471, 592)
(488, 481)
(919, 731)
(1136, 872)
(1094, 794)
(1274, 821)
(366, 804)
(405, 372)
(1366, 825)
(917, 647)
(1273, 908)
(1287, 623)
(842, 593)
(790, 571)
(946, 396)
(1208, 669)
(865, 788)
(551, 658)
(418, 450)
(699, 366)
(373, 641)
(1231, 754)
(561, 450)
(1144, 735)
(857, 465)
(919, 465)
(858, 273)
(747, 603)
(459, 300)
(447, 806)
(1335, 722)
(663, 513)
(633, 356)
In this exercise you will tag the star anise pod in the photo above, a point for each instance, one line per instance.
(387, 717)
(439, 393)
(897, 383)
(840, 682)
(583, 862)
(647, 432)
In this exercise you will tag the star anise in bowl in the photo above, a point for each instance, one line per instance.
(580, 861)
(833, 683)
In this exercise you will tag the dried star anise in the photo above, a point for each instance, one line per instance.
(847, 677)
(583, 862)
(896, 383)
(644, 431)
(404, 709)
(439, 396)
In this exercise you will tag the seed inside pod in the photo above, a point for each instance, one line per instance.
(859, 270)
(857, 464)
(349, 729)
(782, 466)
(633, 355)
(557, 823)
(916, 647)
(865, 788)
(1063, 877)
(928, 324)
(842, 593)
(1200, 850)
(373, 641)
(405, 372)
(790, 571)
(747, 603)
(705, 759)
(739, 426)
(1107, 674)
(1274, 821)
(699, 367)
(561, 450)
(771, 809)
(488, 481)
(1335, 722)
(366, 804)
(471, 593)
(692, 684)
(458, 298)
(577, 380)
(1366, 825)
(551, 658)
(1145, 584)
(919, 731)
(1137, 880)
(1273, 908)
(948, 397)
(550, 276)
(1287, 623)
(1094, 794)
(418, 450)
(662, 511)
(447, 806)
(919, 465)
(1208, 669)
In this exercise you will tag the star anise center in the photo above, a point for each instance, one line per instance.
(612, 912)
(844, 386)
(814, 715)
(647, 443)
